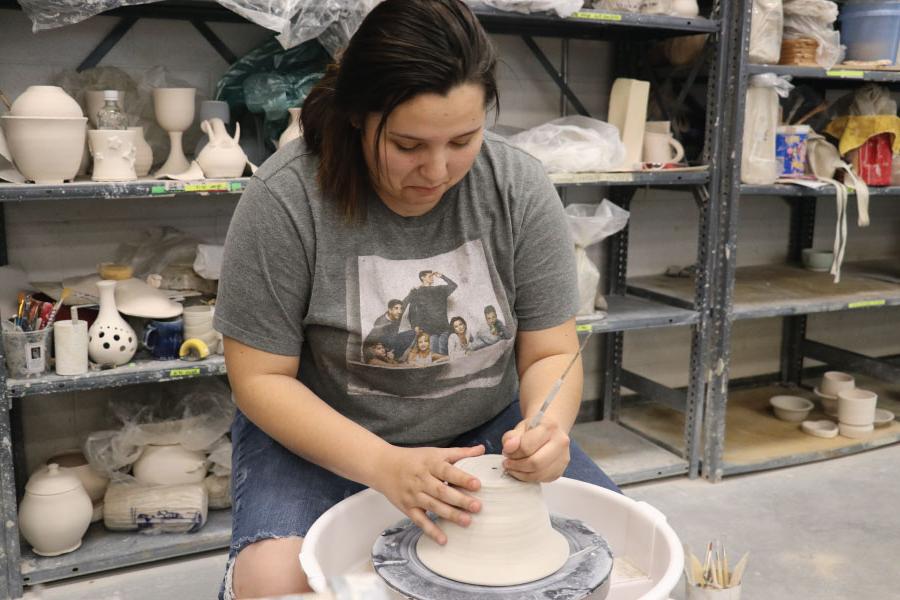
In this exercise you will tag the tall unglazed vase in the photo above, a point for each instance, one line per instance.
(294, 128)
(111, 340)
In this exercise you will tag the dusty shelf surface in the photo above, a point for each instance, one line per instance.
(624, 455)
(755, 440)
(781, 290)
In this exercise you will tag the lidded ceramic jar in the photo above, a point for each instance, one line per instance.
(74, 461)
(55, 512)
(169, 464)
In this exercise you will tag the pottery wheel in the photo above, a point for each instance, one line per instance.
(587, 570)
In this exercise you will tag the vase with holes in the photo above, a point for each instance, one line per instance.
(111, 340)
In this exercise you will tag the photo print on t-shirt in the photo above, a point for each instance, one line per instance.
(429, 326)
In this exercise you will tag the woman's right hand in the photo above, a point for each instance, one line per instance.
(416, 480)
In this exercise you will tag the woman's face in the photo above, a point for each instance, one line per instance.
(429, 143)
(424, 343)
(459, 327)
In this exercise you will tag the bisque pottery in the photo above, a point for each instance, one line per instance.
(46, 150)
(835, 382)
(855, 431)
(111, 340)
(55, 512)
(883, 417)
(791, 408)
(136, 298)
(143, 153)
(174, 108)
(822, 429)
(294, 128)
(45, 101)
(169, 464)
(222, 156)
(509, 542)
(857, 407)
(114, 152)
(74, 461)
(685, 8)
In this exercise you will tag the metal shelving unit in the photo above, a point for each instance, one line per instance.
(793, 293)
(103, 550)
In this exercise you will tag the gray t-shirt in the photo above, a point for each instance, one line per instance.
(297, 279)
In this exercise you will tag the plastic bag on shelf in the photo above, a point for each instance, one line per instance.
(195, 414)
(758, 163)
(766, 25)
(590, 224)
(156, 249)
(815, 19)
(573, 144)
(563, 8)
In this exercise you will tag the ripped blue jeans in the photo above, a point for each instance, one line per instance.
(277, 494)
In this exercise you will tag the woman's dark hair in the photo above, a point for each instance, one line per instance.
(461, 320)
(403, 48)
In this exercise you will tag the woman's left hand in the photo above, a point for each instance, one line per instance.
(539, 454)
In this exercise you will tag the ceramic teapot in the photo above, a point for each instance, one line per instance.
(222, 156)
(55, 512)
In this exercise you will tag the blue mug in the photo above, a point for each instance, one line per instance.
(163, 338)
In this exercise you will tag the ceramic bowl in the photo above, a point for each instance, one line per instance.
(46, 150)
(45, 101)
(817, 260)
(823, 428)
(855, 431)
(791, 408)
(857, 407)
(829, 403)
(883, 417)
(835, 382)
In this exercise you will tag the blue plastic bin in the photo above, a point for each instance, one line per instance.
(871, 30)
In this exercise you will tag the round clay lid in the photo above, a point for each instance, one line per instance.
(51, 480)
(69, 459)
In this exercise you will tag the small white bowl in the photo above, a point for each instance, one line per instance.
(822, 429)
(817, 260)
(829, 403)
(791, 408)
(883, 417)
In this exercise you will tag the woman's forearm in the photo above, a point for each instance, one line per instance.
(535, 383)
(294, 416)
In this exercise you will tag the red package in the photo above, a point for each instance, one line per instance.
(873, 160)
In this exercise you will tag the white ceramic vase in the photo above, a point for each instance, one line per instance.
(114, 152)
(45, 101)
(293, 130)
(222, 156)
(111, 340)
(55, 512)
(169, 464)
(143, 155)
(47, 150)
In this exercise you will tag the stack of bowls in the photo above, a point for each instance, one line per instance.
(45, 131)
(832, 384)
(856, 412)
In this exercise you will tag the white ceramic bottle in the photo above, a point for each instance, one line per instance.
(55, 512)
(143, 153)
(111, 340)
(293, 130)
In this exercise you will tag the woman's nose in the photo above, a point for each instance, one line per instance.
(434, 169)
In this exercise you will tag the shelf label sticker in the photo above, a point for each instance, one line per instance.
(846, 74)
(159, 189)
(236, 186)
(584, 328)
(221, 186)
(597, 16)
(867, 303)
(184, 372)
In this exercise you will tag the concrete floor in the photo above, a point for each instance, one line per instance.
(828, 530)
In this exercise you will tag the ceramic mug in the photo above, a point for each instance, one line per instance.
(658, 127)
(164, 338)
(114, 152)
(658, 148)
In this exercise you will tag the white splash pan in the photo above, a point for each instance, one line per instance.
(648, 554)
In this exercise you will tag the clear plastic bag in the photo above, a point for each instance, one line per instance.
(815, 19)
(590, 224)
(573, 144)
(563, 8)
(196, 415)
(759, 165)
(766, 25)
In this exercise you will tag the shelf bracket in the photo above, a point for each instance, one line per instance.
(851, 361)
(555, 75)
(214, 41)
(107, 43)
(652, 390)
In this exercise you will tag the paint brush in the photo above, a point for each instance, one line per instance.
(65, 294)
(554, 390)
(738, 574)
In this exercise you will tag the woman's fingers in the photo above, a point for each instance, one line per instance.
(418, 516)
(445, 511)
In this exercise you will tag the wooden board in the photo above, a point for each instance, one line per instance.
(755, 439)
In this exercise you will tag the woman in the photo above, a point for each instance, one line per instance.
(395, 174)
(421, 355)
(460, 343)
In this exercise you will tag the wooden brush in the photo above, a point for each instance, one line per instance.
(57, 306)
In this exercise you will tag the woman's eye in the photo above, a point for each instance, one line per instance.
(461, 143)
(403, 148)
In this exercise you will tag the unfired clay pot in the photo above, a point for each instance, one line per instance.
(143, 153)
(170, 464)
(685, 8)
(111, 340)
(293, 130)
(114, 152)
(857, 407)
(45, 101)
(222, 156)
(74, 461)
(174, 109)
(47, 150)
(510, 541)
(55, 512)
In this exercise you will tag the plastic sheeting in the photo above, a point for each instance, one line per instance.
(590, 224)
(574, 144)
(333, 22)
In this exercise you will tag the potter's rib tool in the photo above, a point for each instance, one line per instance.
(536, 419)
